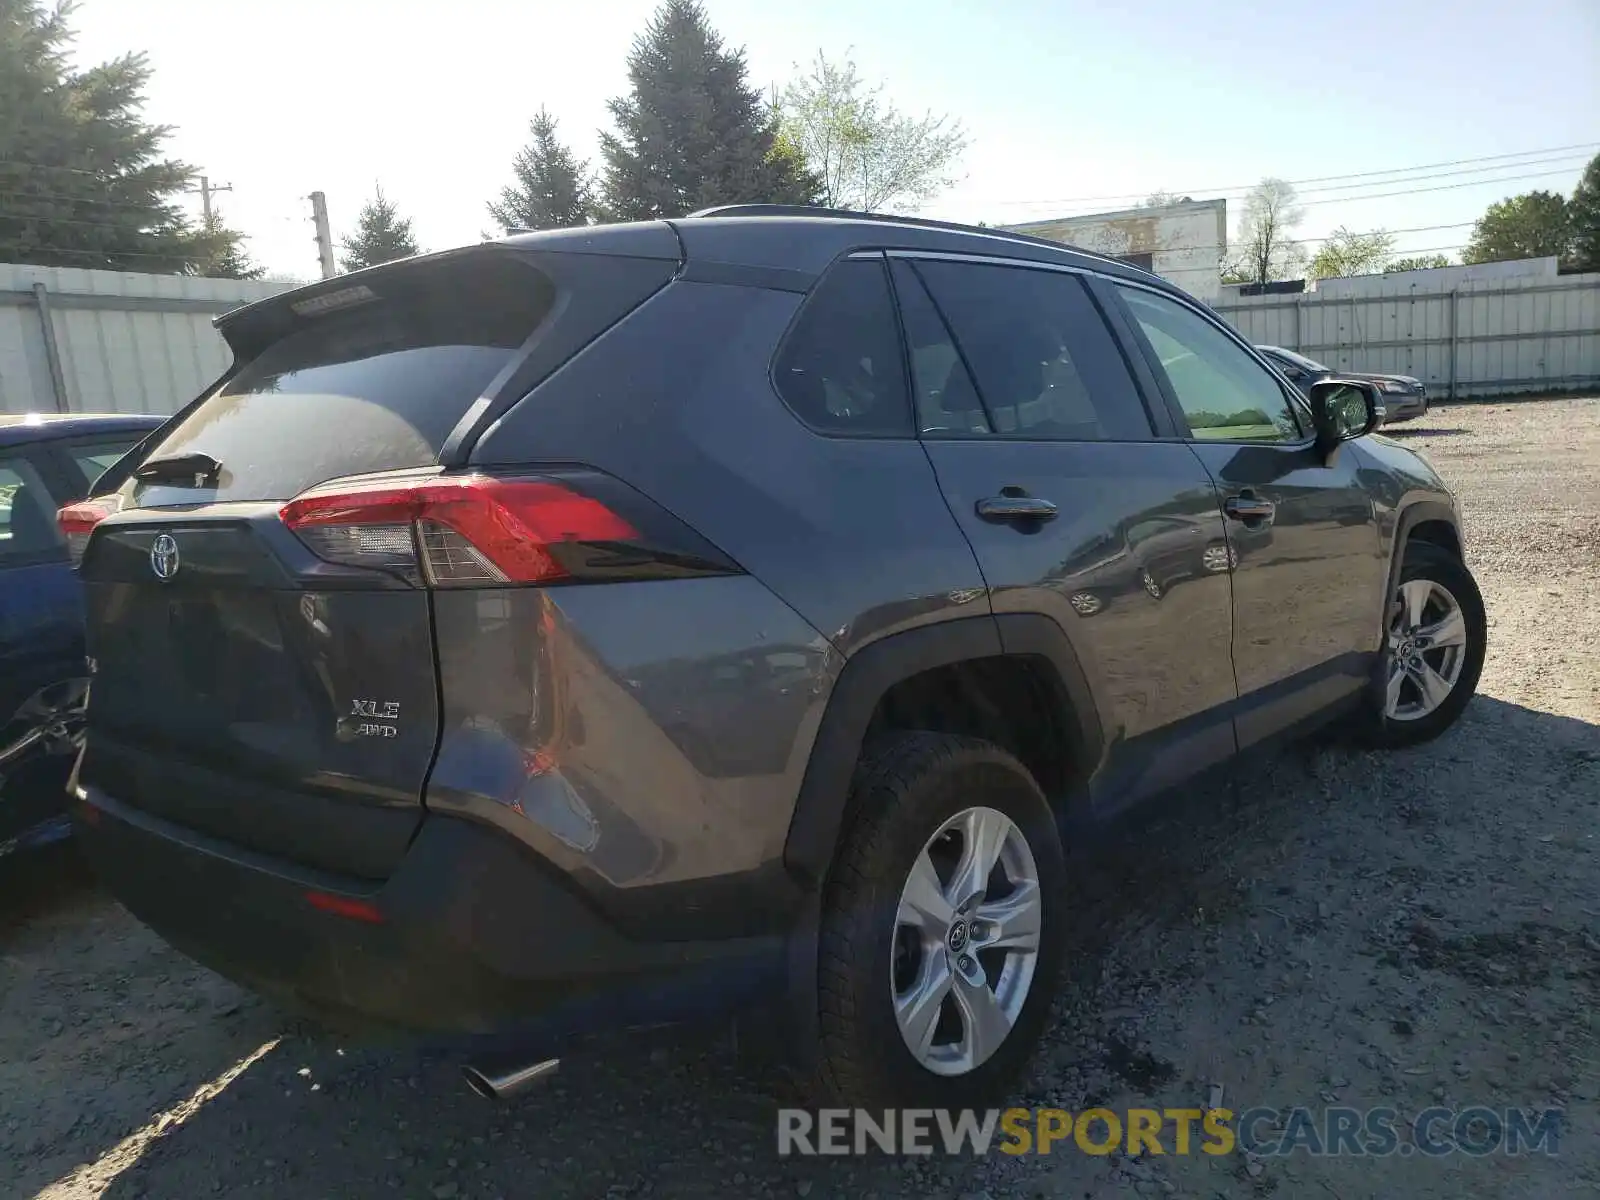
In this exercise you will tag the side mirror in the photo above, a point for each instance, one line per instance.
(1344, 409)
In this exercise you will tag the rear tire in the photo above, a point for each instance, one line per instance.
(894, 968)
(1436, 633)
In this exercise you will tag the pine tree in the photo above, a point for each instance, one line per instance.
(553, 189)
(83, 181)
(222, 253)
(382, 235)
(692, 132)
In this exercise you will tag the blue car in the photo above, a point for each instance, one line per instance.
(46, 461)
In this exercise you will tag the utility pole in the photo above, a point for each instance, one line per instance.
(319, 215)
(205, 189)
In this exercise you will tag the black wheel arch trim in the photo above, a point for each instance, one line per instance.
(871, 672)
(1417, 513)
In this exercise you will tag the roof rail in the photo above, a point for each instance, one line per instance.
(845, 214)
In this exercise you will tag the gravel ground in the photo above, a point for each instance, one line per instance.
(1328, 927)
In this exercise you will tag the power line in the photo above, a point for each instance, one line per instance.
(1230, 190)
(70, 199)
(1319, 198)
(1581, 146)
(175, 256)
(1444, 187)
(48, 220)
(17, 162)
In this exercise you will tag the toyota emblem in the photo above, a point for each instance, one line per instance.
(164, 560)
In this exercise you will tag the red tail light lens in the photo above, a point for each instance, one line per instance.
(462, 531)
(77, 521)
(349, 907)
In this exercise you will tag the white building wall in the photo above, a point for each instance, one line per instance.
(1186, 241)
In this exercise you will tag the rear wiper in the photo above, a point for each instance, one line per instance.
(178, 469)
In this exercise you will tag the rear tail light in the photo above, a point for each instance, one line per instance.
(77, 521)
(480, 530)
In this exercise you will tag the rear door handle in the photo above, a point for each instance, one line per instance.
(1016, 508)
(1249, 508)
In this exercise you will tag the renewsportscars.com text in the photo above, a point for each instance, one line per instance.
(1317, 1132)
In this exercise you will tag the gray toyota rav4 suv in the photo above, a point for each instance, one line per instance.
(598, 623)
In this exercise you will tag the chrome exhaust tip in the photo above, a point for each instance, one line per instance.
(502, 1085)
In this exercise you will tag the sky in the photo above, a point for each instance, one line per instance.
(1071, 107)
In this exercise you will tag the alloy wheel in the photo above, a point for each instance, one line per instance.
(1427, 649)
(966, 941)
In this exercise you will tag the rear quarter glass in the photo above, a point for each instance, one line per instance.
(375, 387)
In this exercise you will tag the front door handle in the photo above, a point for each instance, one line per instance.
(1249, 508)
(1016, 508)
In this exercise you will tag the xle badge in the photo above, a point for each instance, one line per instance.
(370, 718)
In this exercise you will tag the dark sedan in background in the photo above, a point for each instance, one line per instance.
(1403, 397)
(46, 461)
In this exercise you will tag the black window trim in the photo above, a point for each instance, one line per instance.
(1291, 394)
(961, 357)
(1164, 429)
(899, 333)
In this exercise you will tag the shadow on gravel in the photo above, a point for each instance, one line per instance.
(683, 1115)
(1402, 434)
(38, 882)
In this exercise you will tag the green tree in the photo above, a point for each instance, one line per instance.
(382, 235)
(868, 154)
(1265, 249)
(83, 178)
(1583, 212)
(554, 190)
(1347, 253)
(1532, 225)
(691, 132)
(1419, 262)
(222, 254)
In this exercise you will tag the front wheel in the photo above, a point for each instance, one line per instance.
(1436, 635)
(939, 942)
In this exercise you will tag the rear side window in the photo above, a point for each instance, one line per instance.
(376, 387)
(841, 369)
(1045, 364)
(28, 530)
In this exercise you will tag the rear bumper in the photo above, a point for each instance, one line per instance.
(472, 937)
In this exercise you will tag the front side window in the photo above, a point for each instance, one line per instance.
(1043, 361)
(1225, 394)
(840, 369)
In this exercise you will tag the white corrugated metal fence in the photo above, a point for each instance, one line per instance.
(1485, 338)
(112, 341)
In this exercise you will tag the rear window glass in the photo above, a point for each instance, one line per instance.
(372, 388)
